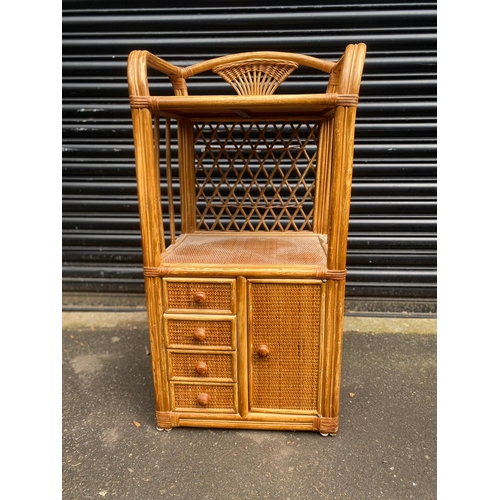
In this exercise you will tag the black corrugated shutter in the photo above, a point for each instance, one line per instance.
(392, 241)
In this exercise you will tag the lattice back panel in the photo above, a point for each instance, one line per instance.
(256, 176)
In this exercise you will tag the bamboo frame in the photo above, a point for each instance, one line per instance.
(317, 256)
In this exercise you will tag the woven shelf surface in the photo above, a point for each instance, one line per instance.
(265, 249)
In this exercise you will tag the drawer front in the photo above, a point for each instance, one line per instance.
(200, 332)
(204, 397)
(207, 296)
(202, 365)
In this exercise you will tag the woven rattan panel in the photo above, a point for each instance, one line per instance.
(181, 333)
(285, 318)
(221, 397)
(256, 76)
(253, 249)
(217, 365)
(181, 295)
(255, 175)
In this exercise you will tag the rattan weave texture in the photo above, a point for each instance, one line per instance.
(247, 249)
(181, 333)
(256, 76)
(218, 365)
(181, 295)
(220, 396)
(285, 318)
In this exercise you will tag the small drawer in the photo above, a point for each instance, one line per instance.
(219, 367)
(207, 332)
(219, 398)
(207, 296)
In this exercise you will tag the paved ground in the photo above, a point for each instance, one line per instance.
(385, 448)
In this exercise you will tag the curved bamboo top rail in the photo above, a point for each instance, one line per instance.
(301, 59)
(344, 73)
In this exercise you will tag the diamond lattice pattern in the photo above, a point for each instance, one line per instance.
(255, 176)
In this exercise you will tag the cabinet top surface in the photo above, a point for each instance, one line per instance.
(252, 249)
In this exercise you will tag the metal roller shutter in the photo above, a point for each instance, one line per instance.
(392, 242)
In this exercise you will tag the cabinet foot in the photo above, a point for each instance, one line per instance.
(162, 429)
(327, 426)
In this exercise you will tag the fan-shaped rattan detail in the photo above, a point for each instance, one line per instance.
(256, 76)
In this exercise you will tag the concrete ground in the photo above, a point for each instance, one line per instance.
(386, 446)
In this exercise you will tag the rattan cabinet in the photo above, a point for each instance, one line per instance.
(246, 303)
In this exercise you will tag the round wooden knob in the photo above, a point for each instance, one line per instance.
(200, 297)
(201, 368)
(263, 351)
(203, 399)
(200, 334)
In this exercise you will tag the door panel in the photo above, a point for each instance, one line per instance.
(284, 344)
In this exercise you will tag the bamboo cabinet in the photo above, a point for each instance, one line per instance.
(246, 304)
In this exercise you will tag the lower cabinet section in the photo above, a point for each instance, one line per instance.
(256, 360)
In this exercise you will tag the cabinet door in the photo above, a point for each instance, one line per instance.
(285, 339)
